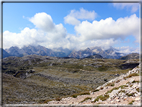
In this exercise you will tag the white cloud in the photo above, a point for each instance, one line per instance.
(134, 6)
(74, 15)
(25, 37)
(71, 20)
(43, 21)
(46, 33)
(128, 49)
(109, 28)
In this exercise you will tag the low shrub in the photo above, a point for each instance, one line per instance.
(116, 88)
(86, 99)
(135, 81)
(130, 75)
(131, 94)
(58, 99)
(95, 90)
(110, 84)
(102, 97)
(131, 102)
(138, 89)
(82, 93)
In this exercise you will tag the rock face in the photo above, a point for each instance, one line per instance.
(124, 89)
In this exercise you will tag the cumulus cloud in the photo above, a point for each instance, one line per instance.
(74, 15)
(25, 37)
(43, 21)
(109, 28)
(134, 6)
(45, 33)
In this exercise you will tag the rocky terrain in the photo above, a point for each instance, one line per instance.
(35, 79)
(123, 90)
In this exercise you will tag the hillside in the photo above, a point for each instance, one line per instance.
(124, 89)
(39, 79)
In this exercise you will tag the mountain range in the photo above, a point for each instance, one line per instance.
(94, 52)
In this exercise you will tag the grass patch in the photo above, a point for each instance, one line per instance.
(131, 94)
(103, 68)
(46, 101)
(131, 102)
(95, 90)
(110, 84)
(102, 97)
(122, 91)
(138, 89)
(135, 81)
(129, 76)
(116, 88)
(117, 81)
(58, 99)
(82, 93)
(88, 98)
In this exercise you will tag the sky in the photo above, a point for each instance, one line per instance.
(72, 25)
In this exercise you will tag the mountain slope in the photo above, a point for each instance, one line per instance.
(4, 53)
(124, 89)
(130, 56)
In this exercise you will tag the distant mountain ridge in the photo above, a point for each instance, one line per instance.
(94, 52)
(108, 53)
(38, 50)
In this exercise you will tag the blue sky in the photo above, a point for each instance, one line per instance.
(72, 25)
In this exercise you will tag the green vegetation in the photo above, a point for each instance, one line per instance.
(130, 94)
(131, 102)
(95, 90)
(82, 93)
(116, 88)
(135, 81)
(103, 68)
(87, 98)
(138, 89)
(102, 97)
(58, 99)
(110, 84)
(122, 91)
(133, 74)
